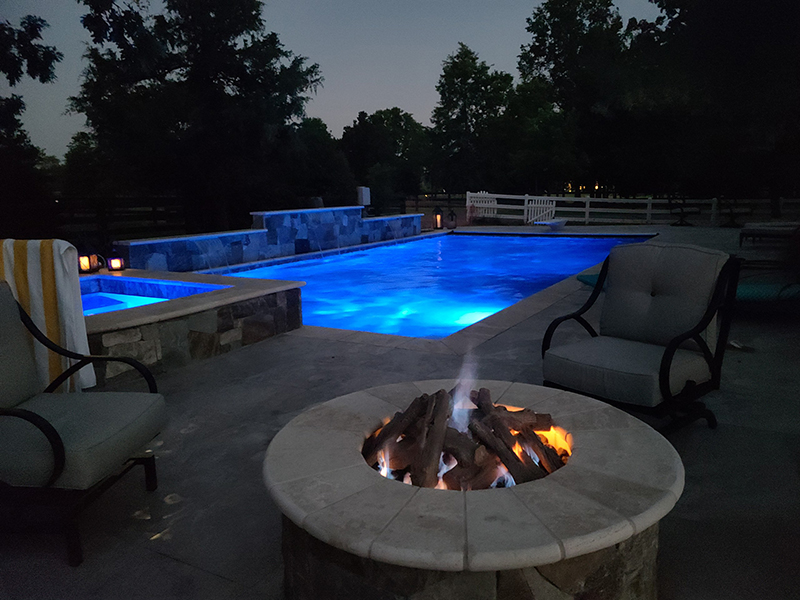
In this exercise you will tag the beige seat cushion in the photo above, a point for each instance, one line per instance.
(100, 432)
(620, 370)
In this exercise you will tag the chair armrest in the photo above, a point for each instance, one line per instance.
(577, 315)
(82, 359)
(43, 425)
(721, 302)
(91, 358)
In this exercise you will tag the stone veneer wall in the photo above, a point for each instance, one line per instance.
(175, 342)
(274, 234)
(196, 252)
(314, 570)
(311, 230)
(382, 229)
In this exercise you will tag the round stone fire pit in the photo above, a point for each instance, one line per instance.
(589, 527)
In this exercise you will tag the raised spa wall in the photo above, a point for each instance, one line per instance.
(186, 329)
(273, 234)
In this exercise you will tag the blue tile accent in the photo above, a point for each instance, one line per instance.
(152, 288)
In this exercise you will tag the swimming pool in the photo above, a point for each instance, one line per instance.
(434, 287)
(106, 293)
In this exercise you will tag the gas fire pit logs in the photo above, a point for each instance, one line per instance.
(462, 441)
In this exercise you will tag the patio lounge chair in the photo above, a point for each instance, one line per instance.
(663, 331)
(679, 207)
(783, 230)
(59, 451)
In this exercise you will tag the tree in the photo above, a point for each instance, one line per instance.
(705, 100)
(472, 97)
(316, 166)
(193, 100)
(387, 151)
(23, 191)
(535, 148)
(740, 60)
(579, 48)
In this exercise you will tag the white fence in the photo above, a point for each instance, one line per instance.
(528, 208)
(708, 211)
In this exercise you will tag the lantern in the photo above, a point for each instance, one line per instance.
(89, 263)
(451, 219)
(437, 218)
(115, 262)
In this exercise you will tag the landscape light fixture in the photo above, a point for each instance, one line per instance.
(437, 218)
(451, 219)
(89, 263)
(115, 262)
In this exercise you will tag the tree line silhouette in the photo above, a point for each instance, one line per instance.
(202, 102)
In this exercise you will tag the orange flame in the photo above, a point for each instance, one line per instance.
(557, 438)
(518, 450)
(384, 422)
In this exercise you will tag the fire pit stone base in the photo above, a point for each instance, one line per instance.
(314, 570)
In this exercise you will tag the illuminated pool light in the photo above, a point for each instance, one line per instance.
(436, 286)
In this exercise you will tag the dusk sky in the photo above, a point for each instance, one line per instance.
(373, 54)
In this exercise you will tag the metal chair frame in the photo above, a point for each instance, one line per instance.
(682, 408)
(54, 509)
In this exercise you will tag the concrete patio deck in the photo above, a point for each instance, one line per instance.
(211, 530)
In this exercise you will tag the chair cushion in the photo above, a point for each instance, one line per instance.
(100, 431)
(18, 379)
(656, 291)
(621, 370)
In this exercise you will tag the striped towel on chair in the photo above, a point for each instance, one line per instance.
(43, 276)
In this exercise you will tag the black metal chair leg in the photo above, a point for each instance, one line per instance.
(150, 476)
(706, 414)
(694, 412)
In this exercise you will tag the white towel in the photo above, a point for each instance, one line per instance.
(43, 276)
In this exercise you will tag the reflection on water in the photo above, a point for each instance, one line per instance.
(434, 287)
(101, 302)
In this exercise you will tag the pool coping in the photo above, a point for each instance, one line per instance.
(236, 289)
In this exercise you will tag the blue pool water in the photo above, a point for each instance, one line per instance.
(100, 302)
(433, 287)
(106, 293)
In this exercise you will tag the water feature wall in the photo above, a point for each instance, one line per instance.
(274, 234)
(196, 252)
(314, 230)
(310, 230)
(381, 229)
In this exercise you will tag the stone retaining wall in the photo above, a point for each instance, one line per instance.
(274, 234)
(178, 341)
(382, 229)
(196, 252)
(312, 230)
